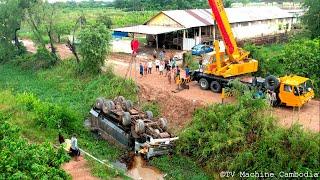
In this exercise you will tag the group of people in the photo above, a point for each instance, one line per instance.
(164, 66)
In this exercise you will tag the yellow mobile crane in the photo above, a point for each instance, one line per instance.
(222, 68)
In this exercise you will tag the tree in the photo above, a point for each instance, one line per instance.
(42, 20)
(11, 15)
(94, 46)
(104, 19)
(312, 17)
(81, 21)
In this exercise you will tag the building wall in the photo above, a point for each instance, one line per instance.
(245, 30)
(163, 20)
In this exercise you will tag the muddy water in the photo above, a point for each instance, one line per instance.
(140, 171)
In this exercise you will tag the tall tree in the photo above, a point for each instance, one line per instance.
(42, 20)
(312, 17)
(11, 16)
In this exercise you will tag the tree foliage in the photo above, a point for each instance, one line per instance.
(300, 57)
(11, 16)
(94, 46)
(41, 18)
(21, 160)
(312, 17)
(142, 5)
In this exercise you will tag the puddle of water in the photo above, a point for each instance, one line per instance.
(120, 165)
(140, 171)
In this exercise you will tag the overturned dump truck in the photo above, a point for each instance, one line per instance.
(118, 121)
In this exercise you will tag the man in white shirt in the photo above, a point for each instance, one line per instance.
(161, 68)
(157, 62)
(74, 147)
(149, 67)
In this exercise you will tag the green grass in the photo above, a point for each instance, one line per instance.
(61, 86)
(179, 167)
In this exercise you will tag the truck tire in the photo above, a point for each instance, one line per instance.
(149, 115)
(215, 86)
(128, 105)
(139, 127)
(121, 99)
(271, 83)
(108, 105)
(204, 84)
(99, 103)
(126, 119)
(163, 124)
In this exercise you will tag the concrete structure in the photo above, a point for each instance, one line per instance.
(182, 29)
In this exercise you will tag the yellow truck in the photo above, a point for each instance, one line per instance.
(235, 63)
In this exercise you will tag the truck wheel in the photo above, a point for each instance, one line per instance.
(120, 99)
(215, 86)
(112, 105)
(163, 124)
(126, 119)
(271, 83)
(139, 127)
(108, 105)
(128, 105)
(204, 84)
(99, 103)
(149, 115)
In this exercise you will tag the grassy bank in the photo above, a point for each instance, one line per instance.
(60, 88)
(25, 96)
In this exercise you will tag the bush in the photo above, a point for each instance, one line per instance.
(21, 160)
(48, 115)
(43, 59)
(299, 57)
(7, 51)
(94, 46)
(187, 59)
(242, 136)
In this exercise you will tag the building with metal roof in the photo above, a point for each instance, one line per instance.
(185, 28)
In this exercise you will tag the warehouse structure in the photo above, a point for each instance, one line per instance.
(182, 29)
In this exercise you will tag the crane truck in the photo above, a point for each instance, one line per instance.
(235, 63)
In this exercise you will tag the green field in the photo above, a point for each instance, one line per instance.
(68, 17)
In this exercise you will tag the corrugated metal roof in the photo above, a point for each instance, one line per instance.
(146, 29)
(203, 17)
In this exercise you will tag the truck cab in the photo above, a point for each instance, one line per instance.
(295, 90)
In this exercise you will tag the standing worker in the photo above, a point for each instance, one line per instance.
(141, 70)
(157, 62)
(161, 68)
(75, 152)
(187, 71)
(149, 67)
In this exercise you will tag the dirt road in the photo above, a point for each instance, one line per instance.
(78, 170)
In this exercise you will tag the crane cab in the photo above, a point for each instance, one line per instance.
(295, 91)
